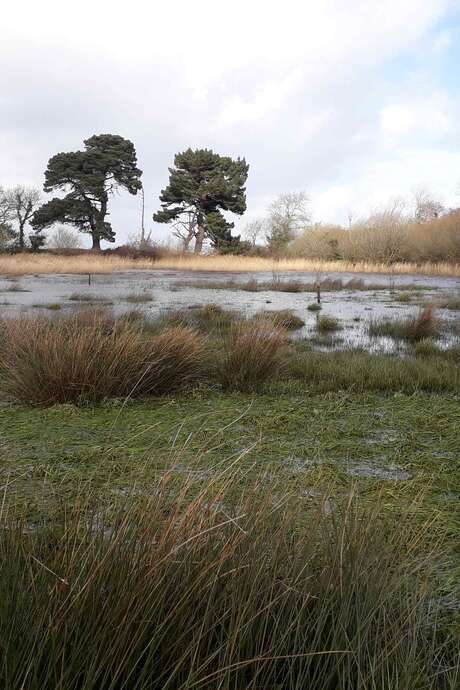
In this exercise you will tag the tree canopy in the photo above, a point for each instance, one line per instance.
(91, 176)
(202, 184)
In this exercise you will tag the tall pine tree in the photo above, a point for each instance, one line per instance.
(90, 176)
(205, 183)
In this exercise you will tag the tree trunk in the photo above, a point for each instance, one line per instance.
(199, 239)
(21, 236)
(96, 243)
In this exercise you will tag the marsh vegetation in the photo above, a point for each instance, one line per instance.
(215, 471)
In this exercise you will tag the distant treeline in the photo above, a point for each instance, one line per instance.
(203, 188)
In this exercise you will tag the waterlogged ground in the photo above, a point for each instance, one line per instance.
(155, 292)
(402, 448)
(405, 448)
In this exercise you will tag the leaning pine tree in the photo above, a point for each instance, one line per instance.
(203, 183)
(90, 177)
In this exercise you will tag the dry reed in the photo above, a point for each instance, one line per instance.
(30, 264)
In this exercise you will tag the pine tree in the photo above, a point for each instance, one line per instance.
(91, 176)
(205, 183)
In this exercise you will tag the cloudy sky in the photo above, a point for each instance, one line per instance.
(353, 101)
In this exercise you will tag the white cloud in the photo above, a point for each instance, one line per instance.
(297, 87)
(432, 117)
(396, 119)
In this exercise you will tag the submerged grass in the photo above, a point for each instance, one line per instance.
(327, 324)
(361, 371)
(283, 318)
(89, 356)
(414, 328)
(187, 590)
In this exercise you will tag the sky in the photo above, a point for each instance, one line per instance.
(352, 101)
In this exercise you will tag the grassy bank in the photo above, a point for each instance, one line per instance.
(23, 264)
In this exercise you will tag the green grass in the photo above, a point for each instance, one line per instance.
(307, 440)
(88, 298)
(283, 318)
(54, 306)
(210, 590)
(413, 328)
(453, 303)
(294, 286)
(327, 324)
(314, 306)
(356, 370)
(404, 297)
(86, 485)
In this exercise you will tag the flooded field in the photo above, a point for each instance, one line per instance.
(354, 300)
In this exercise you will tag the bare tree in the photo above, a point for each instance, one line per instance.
(288, 215)
(64, 238)
(427, 208)
(24, 201)
(6, 218)
(255, 229)
(185, 228)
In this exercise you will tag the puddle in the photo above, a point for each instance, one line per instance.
(367, 469)
(383, 436)
(171, 290)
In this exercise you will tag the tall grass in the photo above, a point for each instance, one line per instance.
(88, 357)
(31, 264)
(253, 354)
(183, 592)
(416, 328)
(360, 371)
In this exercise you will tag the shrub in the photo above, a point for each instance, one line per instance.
(252, 355)
(207, 592)
(88, 357)
(314, 306)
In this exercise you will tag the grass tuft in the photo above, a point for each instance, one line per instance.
(326, 324)
(253, 354)
(414, 328)
(184, 591)
(88, 357)
(284, 318)
(140, 297)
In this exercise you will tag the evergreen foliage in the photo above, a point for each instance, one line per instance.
(108, 161)
(205, 183)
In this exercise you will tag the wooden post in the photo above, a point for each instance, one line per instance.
(89, 278)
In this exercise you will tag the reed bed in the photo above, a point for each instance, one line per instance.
(29, 264)
(181, 591)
